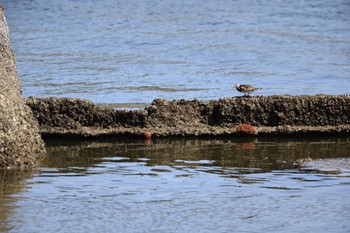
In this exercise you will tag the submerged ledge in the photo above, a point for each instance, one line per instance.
(256, 115)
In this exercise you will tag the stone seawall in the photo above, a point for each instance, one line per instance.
(257, 115)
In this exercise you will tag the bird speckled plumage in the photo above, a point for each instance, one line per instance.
(245, 88)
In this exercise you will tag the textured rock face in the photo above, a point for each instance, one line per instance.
(20, 142)
(258, 115)
(68, 116)
(318, 110)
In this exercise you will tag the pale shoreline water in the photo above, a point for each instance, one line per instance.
(127, 52)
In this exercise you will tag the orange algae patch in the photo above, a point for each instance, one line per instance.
(246, 129)
(147, 134)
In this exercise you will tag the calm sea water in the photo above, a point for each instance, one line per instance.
(187, 185)
(135, 51)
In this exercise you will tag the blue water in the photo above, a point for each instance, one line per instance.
(135, 51)
(189, 185)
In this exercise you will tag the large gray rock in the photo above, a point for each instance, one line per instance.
(20, 142)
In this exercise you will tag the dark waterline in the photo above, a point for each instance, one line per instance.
(180, 185)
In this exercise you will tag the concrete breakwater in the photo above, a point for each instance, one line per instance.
(256, 115)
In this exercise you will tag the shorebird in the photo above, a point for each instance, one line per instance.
(246, 89)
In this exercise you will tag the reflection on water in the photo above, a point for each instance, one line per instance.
(180, 185)
(11, 182)
(262, 154)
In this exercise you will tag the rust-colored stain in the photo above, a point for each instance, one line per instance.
(246, 129)
(147, 134)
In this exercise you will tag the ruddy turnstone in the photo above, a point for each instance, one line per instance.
(246, 89)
